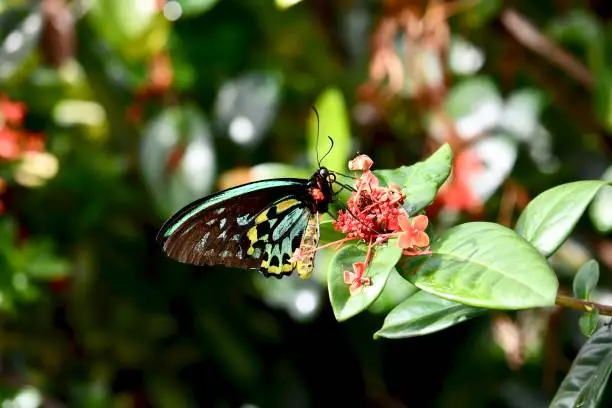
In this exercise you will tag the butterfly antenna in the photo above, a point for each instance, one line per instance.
(328, 150)
(344, 186)
(346, 175)
(317, 143)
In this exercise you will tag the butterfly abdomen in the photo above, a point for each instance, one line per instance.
(308, 246)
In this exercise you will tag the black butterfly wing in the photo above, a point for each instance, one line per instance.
(255, 225)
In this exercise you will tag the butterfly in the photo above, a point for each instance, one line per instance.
(258, 225)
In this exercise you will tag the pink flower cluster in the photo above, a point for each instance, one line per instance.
(372, 210)
(374, 214)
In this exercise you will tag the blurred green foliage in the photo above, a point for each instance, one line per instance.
(147, 105)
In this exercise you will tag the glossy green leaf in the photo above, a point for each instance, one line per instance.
(38, 260)
(177, 157)
(328, 233)
(47, 266)
(246, 107)
(334, 122)
(467, 100)
(276, 170)
(577, 26)
(586, 279)
(384, 259)
(603, 97)
(195, 7)
(22, 23)
(395, 291)
(420, 182)
(585, 382)
(424, 313)
(599, 211)
(285, 4)
(124, 23)
(484, 264)
(550, 217)
(588, 323)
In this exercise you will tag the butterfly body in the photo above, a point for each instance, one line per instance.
(257, 225)
(310, 241)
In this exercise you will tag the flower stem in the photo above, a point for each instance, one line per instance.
(583, 305)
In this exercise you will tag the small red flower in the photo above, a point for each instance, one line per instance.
(372, 210)
(361, 162)
(413, 236)
(9, 144)
(34, 142)
(457, 194)
(355, 279)
(367, 182)
(12, 112)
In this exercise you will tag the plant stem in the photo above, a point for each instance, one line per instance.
(583, 305)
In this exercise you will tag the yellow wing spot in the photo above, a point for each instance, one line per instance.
(285, 205)
(280, 207)
(250, 251)
(252, 235)
(261, 217)
(273, 269)
(286, 267)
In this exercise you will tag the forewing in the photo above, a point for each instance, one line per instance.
(215, 229)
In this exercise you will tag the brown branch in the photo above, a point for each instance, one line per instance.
(530, 37)
(583, 305)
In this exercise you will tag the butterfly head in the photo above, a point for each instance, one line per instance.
(320, 189)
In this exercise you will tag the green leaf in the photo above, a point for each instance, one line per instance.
(334, 122)
(37, 260)
(599, 211)
(421, 181)
(136, 29)
(586, 279)
(396, 290)
(588, 323)
(424, 313)
(195, 7)
(585, 382)
(48, 268)
(17, 22)
(274, 170)
(470, 97)
(550, 217)
(285, 4)
(603, 97)
(177, 160)
(486, 265)
(328, 233)
(384, 259)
